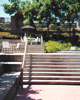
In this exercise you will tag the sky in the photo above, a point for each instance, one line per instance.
(2, 13)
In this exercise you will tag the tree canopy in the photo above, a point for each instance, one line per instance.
(70, 11)
(45, 11)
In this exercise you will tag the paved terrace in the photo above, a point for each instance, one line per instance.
(49, 92)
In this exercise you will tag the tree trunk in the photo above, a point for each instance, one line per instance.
(69, 28)
(47, 31)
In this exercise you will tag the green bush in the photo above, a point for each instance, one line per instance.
(8, 35)
(53, 46)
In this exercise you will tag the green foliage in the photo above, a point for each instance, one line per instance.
(70, 11)
(12, 1)
(8, 35)
(66, 46)
(14, 7)
(11, 9)
(26, 22)
(45, 11)
(53, 46)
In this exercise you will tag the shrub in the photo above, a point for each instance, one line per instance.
(53, 46)
(8, 35)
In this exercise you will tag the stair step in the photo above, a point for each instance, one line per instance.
(52, 66)
(55, 57)
(55, 76)
(53, 63)
(49, 78)
(53, 60)
(51, 73)
(51, 81)
(52, 69)
(56, 68)
(70, 51)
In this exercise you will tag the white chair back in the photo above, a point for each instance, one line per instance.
(5, 44)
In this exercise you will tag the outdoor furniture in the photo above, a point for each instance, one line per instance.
(36, 41)
(15, 47)
(5, 46)
(31, 39)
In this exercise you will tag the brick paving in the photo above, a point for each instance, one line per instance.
(49, 92)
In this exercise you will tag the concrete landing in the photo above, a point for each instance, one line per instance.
(49, 92)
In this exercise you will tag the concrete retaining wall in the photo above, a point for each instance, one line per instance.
(10, 63)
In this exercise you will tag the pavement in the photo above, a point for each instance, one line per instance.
(49, 92)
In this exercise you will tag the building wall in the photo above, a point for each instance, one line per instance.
(78, 23)
(14, 28)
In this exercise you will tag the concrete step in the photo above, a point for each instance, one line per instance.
(69, 51)
(52, 69)
(56, 68)
(53, 63)
(51, 81)
(53, 60)
(52, 66)
(54, 57)
(34, 49)
(52, 77)
(51, 73)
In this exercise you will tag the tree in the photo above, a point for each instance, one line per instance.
(29, 13)
(45, 14)
(42, 11)
(69, 11)
(13, 7)
(45, 11)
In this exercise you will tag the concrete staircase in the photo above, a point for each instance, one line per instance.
(56, 68)
(35, 49)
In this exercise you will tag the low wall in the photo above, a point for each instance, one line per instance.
(10, 62)
(1, 69)
(11, 57)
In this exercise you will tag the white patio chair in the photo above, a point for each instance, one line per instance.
(21, 39)
(15, 47)
(5, 46)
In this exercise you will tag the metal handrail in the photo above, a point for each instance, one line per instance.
(26, 47)
(24, 54)
(41, 44)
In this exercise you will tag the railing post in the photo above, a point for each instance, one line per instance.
(27, 47)
(41, 44)
(23, 62)
(22, 78)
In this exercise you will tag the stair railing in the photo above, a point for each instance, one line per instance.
(41, 44)
(25, 51)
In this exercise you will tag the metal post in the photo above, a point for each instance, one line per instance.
(22, 78)
(41, 44)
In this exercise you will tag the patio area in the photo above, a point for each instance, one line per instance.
(49, 92)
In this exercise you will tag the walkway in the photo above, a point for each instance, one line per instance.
(49, 92)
